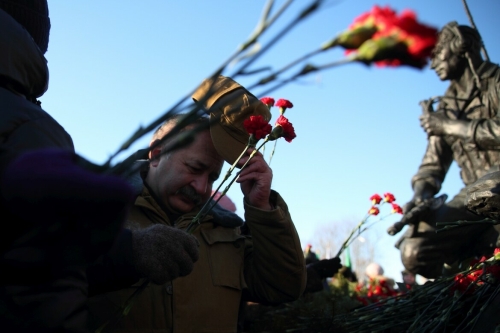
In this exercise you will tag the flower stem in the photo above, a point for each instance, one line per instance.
(242, 167)
(272, 152)
(344, 245)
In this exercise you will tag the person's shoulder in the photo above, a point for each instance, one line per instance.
(17, 111)
(27, 126)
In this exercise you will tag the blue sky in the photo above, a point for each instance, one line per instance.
(115, 65)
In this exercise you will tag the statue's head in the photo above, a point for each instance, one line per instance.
(455, 42)
(460, 38)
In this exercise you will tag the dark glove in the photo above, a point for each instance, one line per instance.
(326, 267)
(320, 270)
(483, 196)
(162, 253)
(68, 212)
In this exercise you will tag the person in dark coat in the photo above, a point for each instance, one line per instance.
(58, 216)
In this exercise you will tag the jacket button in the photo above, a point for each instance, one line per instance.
(169, 289)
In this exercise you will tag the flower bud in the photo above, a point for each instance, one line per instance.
(276, 133)
(379, 49)
(352, 38)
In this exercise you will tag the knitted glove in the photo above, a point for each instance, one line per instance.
(72, 215)
(162, 253)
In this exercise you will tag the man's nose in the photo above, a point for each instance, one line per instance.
(200, 184)
(434, 62)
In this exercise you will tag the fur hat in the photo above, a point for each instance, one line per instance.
(33, 15)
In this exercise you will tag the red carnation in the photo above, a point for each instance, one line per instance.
(269, 101)
(396, 209)
(399, 40)
(374, 211)
(389, 197)
(287, 130)
(463, 282)
(257, 126)
(284, 103)
(379, 17)
(376, 199)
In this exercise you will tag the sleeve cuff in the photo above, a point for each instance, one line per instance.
(256, 215)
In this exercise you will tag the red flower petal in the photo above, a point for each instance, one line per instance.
(374, 211)
(288, 132)
(413, 41)
(389, 197)
(396, 209)
(376, 199)
(269, 101)
(257, 126)
(284, 103)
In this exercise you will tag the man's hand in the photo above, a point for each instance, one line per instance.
(436, 123)
(255, 181)
(320, 270)
(162, 253)
(326, 267)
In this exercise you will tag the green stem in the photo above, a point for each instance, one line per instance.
(244, 165)
(123, 311)
(344, 245)
(274, 75)
(305, 70)
(272, 152)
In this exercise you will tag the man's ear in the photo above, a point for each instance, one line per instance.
(154, 154)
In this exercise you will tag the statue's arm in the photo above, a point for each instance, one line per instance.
(435, 164)
(485, 133)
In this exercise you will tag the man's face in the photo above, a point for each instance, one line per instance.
(409, 278)
(183, 179)
(446, 64)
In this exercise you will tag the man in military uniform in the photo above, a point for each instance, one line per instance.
(465, 128)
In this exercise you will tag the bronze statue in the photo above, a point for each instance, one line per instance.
(465, 128)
